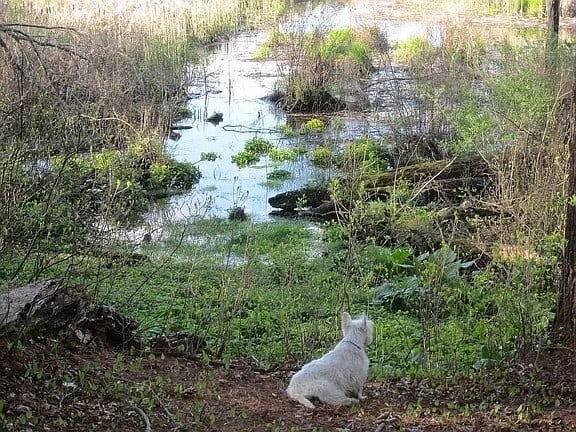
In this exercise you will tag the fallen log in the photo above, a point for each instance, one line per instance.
(48, 307)
(475, 167)
(304, 197)
(58, 309)
(437, 180)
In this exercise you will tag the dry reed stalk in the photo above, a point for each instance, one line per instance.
(169, 20)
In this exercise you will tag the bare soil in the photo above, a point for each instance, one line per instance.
(59, 384)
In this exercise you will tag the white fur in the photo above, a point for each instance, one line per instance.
(338, 377)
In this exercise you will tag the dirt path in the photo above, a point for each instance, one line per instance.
(53, 385)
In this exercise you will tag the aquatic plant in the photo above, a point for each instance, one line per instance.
(279, 175)
(313, 125)
(257, 147)
(286, 131)
(323, 66)
(322, 157)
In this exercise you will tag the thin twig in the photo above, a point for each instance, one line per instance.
(145, 417)
(425, 185)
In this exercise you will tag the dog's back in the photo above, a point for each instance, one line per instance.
(338, 377)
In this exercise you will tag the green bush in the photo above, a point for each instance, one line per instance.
(322, 157)
(340, 44)
(172, 175)
(365, 156)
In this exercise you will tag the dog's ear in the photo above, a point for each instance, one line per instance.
(346, 322)
(364, 321)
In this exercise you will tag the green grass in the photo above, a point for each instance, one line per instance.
(272, 291)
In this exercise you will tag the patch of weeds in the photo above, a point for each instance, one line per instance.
(323, 157)
(237, 214)
(209, 156)
(314, 125)
(276, 177)
(345, 44)
(279, 174)
(286, 131)
(285, 155)
(411, 50)
(269, 48)
(254, 149)
(182, 112)
(366, 156)
(257, 147)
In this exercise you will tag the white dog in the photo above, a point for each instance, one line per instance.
(338, 377)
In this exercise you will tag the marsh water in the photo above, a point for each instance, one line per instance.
(233, 83)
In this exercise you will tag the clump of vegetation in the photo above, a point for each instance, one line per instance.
(286, 131)
(172, 176)
(323, 67)
(257, 147)
(314, 125)
(279, 175)
(237, 214)
(362, 156)
(416, 49)
(366, 156)
(323, 157)
(254, 149)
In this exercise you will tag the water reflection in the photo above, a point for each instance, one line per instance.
(233, 84)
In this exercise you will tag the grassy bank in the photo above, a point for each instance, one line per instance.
(89, 91)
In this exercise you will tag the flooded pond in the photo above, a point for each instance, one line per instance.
(233, 83)
(237, 87)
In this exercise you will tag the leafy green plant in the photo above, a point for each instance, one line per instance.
(285, 155)
(257, 147)
(313, 125)
(474, 125)
(254, 149)
(173, 175)
(323, 157)
(365, 156)
(286, 131)
(386, 263)
(402, 295)
(279, 175)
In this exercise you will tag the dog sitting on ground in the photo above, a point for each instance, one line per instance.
(338, 377)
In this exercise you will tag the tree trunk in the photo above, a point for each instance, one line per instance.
(564, 327)
(553, 29)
